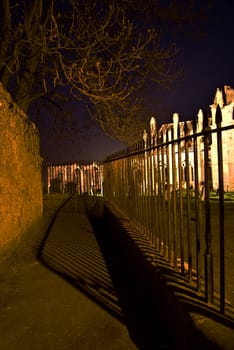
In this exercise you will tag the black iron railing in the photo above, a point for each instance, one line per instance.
(81, 177)
(177, 188)
(174, 188)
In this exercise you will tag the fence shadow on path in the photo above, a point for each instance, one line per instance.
(75, 256)
(187, 292)
(154, 316)
(111, 270)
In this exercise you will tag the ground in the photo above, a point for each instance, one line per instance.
(81, 287)
(41, 310)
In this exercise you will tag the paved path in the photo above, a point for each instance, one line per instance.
(42, 310)
(86, 291)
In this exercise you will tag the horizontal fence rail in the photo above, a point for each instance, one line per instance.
(177, 187)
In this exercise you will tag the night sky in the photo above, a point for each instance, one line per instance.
(208, 64)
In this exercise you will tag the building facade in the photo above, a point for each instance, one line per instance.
(177, 129)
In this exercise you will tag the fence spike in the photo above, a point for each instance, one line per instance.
(178, 130)
(205, 119)
(172, 133)
(218, 115)
(167, 137)
(195, 118)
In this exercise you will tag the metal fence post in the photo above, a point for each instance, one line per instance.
(208, 235)
(218, 120)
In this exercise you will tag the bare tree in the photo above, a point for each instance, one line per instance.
(97, 50)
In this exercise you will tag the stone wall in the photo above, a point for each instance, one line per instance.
(20, 172)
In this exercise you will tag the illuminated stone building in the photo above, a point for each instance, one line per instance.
(177, 129)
